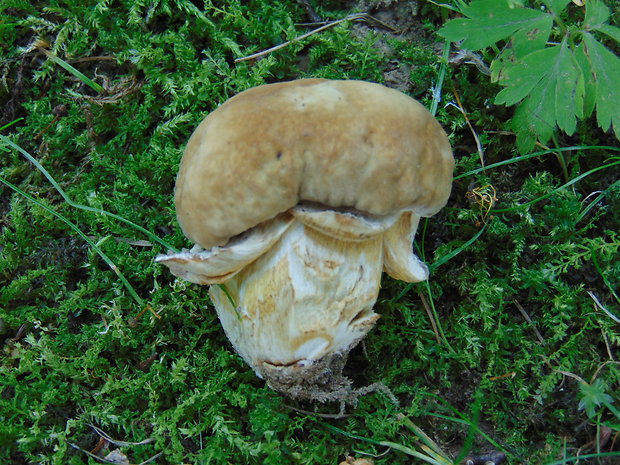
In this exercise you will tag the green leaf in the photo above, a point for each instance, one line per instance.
(489, 21)
(596, 18)
(606, 70)
(593, 396)
(611, 31)
(62, 63)
(569, 90)
(551, 85)
(588, 80)
(597, 14)
(534, 117)
(523, 42)
(557, 6)
(528, 40)
(522, 76)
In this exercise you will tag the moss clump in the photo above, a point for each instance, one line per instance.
(79, 349)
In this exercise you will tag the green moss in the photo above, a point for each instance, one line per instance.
(79, 350)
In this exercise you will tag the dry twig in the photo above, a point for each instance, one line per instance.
(116, 442)
(353, 17)
(529, 320)
(459, 106)
(600, 305)
(430, 317)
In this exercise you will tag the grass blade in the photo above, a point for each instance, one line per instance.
(392, 445)
(94, 246)
(585, 456)
(67, 199)
(563, 186)
(535, 154)
(62, 63)
(442, 260)
(440, 78)
(10, 124)
(449, 256)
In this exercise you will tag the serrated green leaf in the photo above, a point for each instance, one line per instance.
(526, 126)
(551, 85)
(597, 14)
(593, 396)
(557, 6)
(528, 40)
(489, 21)
(606, 70)
(526, 140)
(569, 90)
(588, 80)
(522, 76)
(611, 31)
(540, 110)
(522, 43)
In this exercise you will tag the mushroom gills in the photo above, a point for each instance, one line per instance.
(398, 232)
(345, 225)
(219, 264)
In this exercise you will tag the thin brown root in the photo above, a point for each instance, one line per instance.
(459, 106)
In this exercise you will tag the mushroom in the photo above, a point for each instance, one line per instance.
(297, 195)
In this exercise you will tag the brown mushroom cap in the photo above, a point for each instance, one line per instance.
(343, 144)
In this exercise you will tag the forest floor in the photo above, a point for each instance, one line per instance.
(510, 349)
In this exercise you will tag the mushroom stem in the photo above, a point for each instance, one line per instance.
(309, 296)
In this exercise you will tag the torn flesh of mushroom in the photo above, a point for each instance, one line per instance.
(305, 294)
(309, 295)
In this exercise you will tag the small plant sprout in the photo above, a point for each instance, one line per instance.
(297, 196)
(484, 197)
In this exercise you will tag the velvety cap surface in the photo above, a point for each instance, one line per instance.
(343, 144)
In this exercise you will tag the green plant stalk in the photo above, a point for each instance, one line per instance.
(59, 61)
(105, 258)
(535, 154)
(436, 317)
(393, 445)
(570, 183)
(10, 124)
(231, 300)
(560, 156)
(421, 248)
(605, 280)
(582, 457)
(79, 206)
(441, 77)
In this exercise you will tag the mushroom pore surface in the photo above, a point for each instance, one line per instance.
(343, 144)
